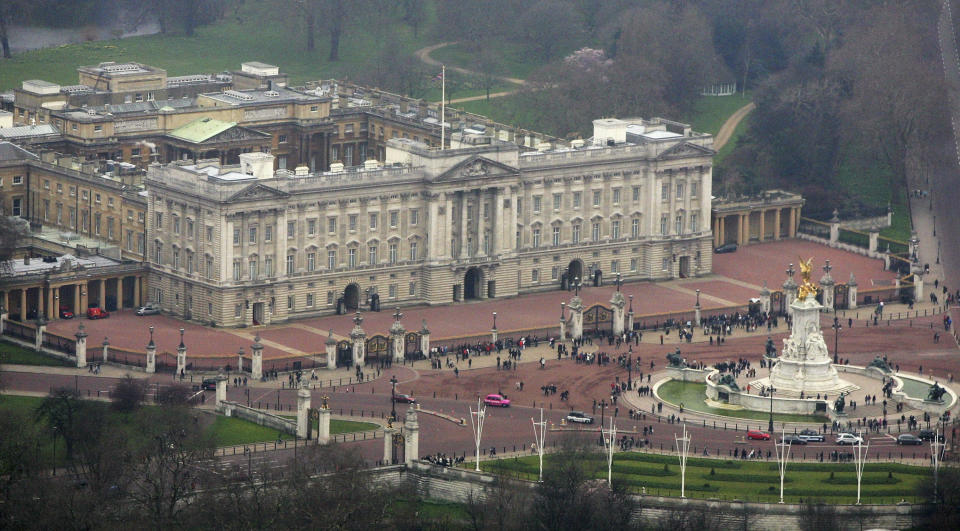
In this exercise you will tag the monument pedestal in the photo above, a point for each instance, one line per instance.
(805, 364)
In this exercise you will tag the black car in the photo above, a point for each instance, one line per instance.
(928, 435)
(908, 439)
(209, 384)
(793, 439)
(809, 435)
(726, 248)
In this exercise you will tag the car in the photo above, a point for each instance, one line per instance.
(928, 435)
(97, 313)
(209, 384)
(726, 248)
(758, 435)
(65, 312)
(579, 417)
(793, 439)
(909, 438)
(496, 400)
(404, 399)
(148, 309)
(809, 435)
(848, 438)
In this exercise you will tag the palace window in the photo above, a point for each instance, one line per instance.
(576, 199)
(557, 201)
(236, 270)
(253, 235)
(236, 236)
(268, 233)
(268, 267)
(616, 196)
(373, 220)
(413, 251)
(678, 223)
(635, 228)
(352, 222)
(393, 253)
(372, 254)
(596, 197)
(537, 204)
(311, 261)
(332, 259)
(595, 232)
(394, 218)
(694, 222)
(556, 236)
(679, 190)
(414, 217)
(352, 257)
(615, 229)
(291, 264)
(664, 228)
(536, 237)
(576, 233)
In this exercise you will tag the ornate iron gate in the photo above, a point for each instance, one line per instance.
(841, 296)
(778, 303)
(412, 346)
(598, 318)
(378, 348)
(344, 353)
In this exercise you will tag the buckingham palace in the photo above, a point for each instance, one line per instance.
(246, 244)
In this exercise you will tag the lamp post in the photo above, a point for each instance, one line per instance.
(393, 397)
(836, 339)
(619, 280)
(576, 286)
(630, 367)
(770, 426)
(603, 405)
(54, 450)
(494, 320)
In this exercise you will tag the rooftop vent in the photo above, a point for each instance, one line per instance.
(302, 171)
(238, 95)
(371, 164)
(271, 94)
(336, 167)
(577, 144)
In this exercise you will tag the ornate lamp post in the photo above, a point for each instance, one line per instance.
(619, 280)
(494, 320)
(603, 405)
(630, 367)
(836, 339)
(393, 397)
(770, 426)
(576, 286)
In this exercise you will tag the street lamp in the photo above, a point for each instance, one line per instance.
(576, 286)
(771, 390)
(836, 339)
(494, 320)
(393, 397)
(603, 405)
(630, 367)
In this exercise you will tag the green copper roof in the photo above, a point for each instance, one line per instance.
(201, 129)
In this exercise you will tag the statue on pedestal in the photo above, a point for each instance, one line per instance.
(675, 360)
(771, 349)
(936, 393)
(840, 403)
(806, 287)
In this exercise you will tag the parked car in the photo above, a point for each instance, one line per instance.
(404, 399)
(909, 438)
(726, 248)
(758, 435)
(848, 438)
(809, 435)
(209, 384)
(97, 313)
(579, 417)
(496, 400)
(928, 435)
(66, 312)
(148, 309)
(793, 439)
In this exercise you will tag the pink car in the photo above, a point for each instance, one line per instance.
(496, 400)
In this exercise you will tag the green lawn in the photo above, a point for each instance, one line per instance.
(710, 112)
(231, 431)
(342, 426)
(259, 35)
(692, 396)
(17, 355)
(744, 480)
(511, 59)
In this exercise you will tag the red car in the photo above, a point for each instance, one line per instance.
(97, 313)
(404, 399)
(496, 400)
(758, 435)
(65, 312)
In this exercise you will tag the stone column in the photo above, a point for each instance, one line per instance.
(119, 293)
(388, 434)
(576, 318)
(40, 312)
(136, 290)
(256, 359)
(763, 224)
(151, 355)
(852, 293)
(776, 224)
(23, 305)
(323, 425)
(765, 298)
(496, 226)
(563, 321)
(425, 339)
(303, 410)
(918, 287)
(740, 239)
(874, 240)
(3, 317)
(723, 229)
(41, 329)
(84, 297)
(397, 333)
(331, 350)
(181, 357)
(618, 302)
(81, 347)
(221, 393)
(411, 427)
(511, 240)
(716, 232)
(52, 311)
(358, 339)
(77, 311)
(103, 294)
(827, 283)
(434, 238)
(792, 231)
(790, 290)
(630, 315)
(464, 251)
(240, 360)
(106, 349)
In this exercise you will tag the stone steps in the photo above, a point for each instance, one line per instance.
(756, 385)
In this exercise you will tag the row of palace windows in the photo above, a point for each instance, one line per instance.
(615, 229)
(576, 198)
(373, 221)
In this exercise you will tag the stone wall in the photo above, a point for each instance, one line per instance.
(457, 485)
(875, 222)
(233, 409)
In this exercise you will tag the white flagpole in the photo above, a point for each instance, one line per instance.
(443, 102)
(540, 438)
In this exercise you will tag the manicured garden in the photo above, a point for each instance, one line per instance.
(17, 355)
(747, 480)
(692, 396)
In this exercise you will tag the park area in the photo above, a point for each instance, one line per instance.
(736, 479)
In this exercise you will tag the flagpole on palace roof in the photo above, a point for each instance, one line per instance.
(443, 101)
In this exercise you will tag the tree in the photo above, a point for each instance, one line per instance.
(12, 232)
(414, 14)
(549, 26)
(62, 410)
(128, 394)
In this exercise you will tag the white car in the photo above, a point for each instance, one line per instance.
(579, 416)
(848, 438)
(148, 309)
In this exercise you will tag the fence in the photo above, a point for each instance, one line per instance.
(19, 330)
(67, 345)
(854, 237)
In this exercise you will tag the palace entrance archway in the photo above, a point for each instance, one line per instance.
(351, 297)
(471, 283)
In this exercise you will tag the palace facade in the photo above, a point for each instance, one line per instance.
(247, 244)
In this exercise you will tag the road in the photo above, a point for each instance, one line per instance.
(943, 181)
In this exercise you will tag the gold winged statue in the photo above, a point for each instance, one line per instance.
(806, 287)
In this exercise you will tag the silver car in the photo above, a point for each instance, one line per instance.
(148, 309)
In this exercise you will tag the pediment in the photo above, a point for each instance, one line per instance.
(236, 134)
(476, 168)
(684, 150)
(256, 192)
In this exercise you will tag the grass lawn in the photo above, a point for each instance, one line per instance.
(743, 480)
(692, 396)
(230, 431)
(342, 426)
(255, 34)
(17, 355)
(710, 112)
(511, 59)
